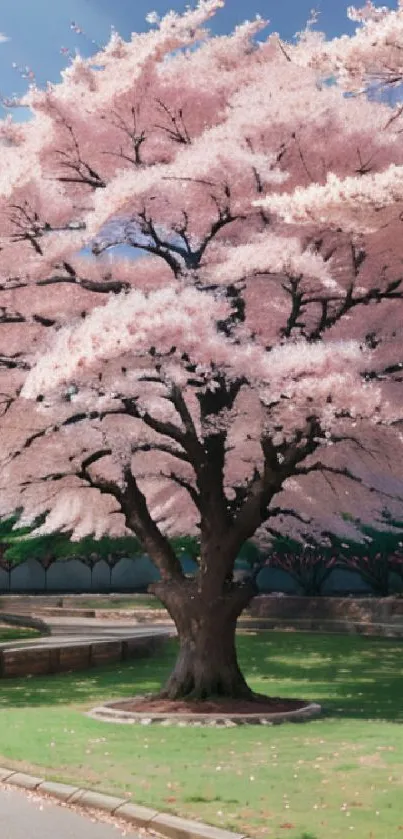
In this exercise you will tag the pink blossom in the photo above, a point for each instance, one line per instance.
(242, 372)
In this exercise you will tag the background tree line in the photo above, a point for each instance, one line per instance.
(378, 559)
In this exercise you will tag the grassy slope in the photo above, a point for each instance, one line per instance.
(131, 603)
(326, 779)
(15, 634)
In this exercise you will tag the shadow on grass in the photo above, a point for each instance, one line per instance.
(350, 676)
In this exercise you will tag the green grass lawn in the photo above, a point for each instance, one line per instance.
(330, 778)
(15, 634)
(143, 601)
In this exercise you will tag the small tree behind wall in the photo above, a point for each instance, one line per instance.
(376, 556)
(9, 530)
(244, 374)
(21, 545)
(309, 567)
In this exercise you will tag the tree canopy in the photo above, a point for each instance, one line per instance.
(242, 375)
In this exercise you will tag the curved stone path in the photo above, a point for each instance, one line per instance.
(78, 645)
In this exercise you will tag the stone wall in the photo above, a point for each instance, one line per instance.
(366, 615)
(32, 660)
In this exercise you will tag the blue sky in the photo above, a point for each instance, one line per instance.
(38, 29)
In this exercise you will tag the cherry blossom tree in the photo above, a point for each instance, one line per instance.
(22, 545)
(240, 374)
(6, 530)
(375, 558)
(309, 567)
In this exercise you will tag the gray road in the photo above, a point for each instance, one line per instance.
(27, 816)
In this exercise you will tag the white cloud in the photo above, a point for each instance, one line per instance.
(3, 38)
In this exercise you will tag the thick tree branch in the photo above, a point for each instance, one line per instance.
(161, 447)
(133, 505)
(165, 428)
(14, 362)
(184, 484)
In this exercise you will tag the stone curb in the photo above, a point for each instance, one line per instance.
(163, 824)
(107, 713)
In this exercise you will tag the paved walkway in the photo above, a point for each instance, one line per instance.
(103, 626)
(25, 816)
(78, 646)
(66, 631)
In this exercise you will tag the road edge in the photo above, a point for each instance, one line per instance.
(137, 816)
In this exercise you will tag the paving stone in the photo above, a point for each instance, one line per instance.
(76, 657)
(5, 773)
(177, 828)
(89, 798)
(20, 662)
(106, 652)
(135, 814)
(19, 779)
(61, 791)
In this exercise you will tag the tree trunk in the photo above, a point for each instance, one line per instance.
(207, 664)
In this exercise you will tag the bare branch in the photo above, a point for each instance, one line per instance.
(182, 482)
(133, 505)
(178, 131)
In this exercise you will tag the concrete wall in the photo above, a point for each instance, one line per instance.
(72, 575)
(136, 574)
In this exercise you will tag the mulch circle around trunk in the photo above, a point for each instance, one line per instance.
(220, 706)
(226, 712)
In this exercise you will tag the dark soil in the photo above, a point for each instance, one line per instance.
(261, 705)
